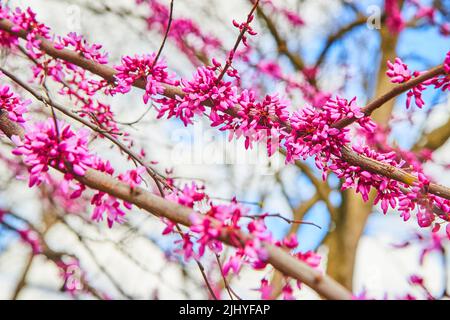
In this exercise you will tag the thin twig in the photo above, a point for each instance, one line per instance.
(165, 36)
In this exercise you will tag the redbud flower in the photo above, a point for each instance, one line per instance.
(11, 102)
(415, 279)
(105, 203)
(144, 68)
(398, 71)
(80, 45)
(394, 19)
(265, 289)
(64, 149)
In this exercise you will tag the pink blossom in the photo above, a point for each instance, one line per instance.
(12, 103)
(187, 247)
(233, 263)
(445, 29)
(447, 62)
(143, 68)
(169, 226)
(209, 233)
(313, 135)
(270, 67)
(415, 93)
(188, 196)
(293, 18)
(266, 290)
(424, 11)
(260, 120)
(394, 19)
(100, 114)
(398, 71)
(244, 27)
(310, 257)
(43, 146)
(290, 241)
(133, 177)
(105, 203)
(7, 40)
(26, 20)
(203, 87)
(287, 292)
(80, 45)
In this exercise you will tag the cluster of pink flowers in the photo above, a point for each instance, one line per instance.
(227, 220)
(189, 195)
(311, 129)
(313, 133)
(66, 194)
(62, 148)
(101, 115)
(447, 63)
(394, 19)
(7, 40)
(105, 203)
(23, 20)
(245, 27)
(438, 82)
(75, 81)
(203, 87)
(396, 23)
(429, 14)
(44, 145)
(261, 119)
(143, 67)
(132, 177)
(110, 205)
(398, 71)
(11, 103)
(26, 20)
(309, 257)
(80, 45)
(307, 132)
(431, 211)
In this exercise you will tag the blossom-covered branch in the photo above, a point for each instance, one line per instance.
(178, 214)
(171, 91)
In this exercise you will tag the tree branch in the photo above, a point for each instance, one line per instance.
(434, 139)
